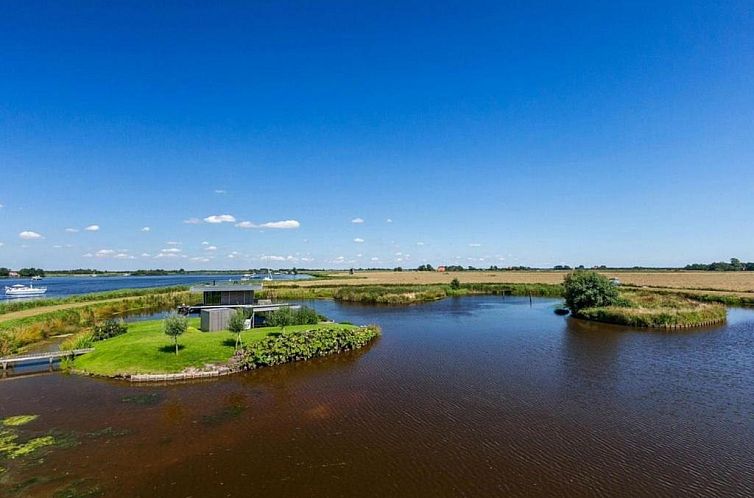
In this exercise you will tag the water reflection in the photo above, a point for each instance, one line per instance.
(473, 396)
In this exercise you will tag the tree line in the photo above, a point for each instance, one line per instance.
(735, 264)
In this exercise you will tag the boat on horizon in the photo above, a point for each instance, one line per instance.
(36, 277)
(20, 290)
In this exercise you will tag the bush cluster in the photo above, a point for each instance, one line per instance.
(295, 346)
(588, 289)
(108, 328)
(287, 316)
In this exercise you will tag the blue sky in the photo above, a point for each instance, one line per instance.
(459, 133)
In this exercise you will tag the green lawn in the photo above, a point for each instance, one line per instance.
(146, 349)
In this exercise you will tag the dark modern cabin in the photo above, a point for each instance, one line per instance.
(227, 294)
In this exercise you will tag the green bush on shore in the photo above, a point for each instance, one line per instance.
(303, 345)
(588, 289)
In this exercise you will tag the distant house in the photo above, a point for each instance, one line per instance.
(441, 268)
(13, 274)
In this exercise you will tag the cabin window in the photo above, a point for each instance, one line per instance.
(211, 298)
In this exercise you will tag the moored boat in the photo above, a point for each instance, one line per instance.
(20, 290)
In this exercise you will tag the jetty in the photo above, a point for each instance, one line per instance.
(49, 357)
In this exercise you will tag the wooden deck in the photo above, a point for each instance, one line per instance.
(41, 357)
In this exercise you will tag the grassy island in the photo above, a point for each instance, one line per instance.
(592, 296)
(144, 348)
(652, 309)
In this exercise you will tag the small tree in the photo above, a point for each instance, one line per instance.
(588, 289)
(175, 325)
(281, 318)
(236, 324)
(455, 284)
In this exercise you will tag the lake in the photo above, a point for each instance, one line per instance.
(69, 286)
(474, 396)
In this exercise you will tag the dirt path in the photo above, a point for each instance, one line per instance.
(57, 307)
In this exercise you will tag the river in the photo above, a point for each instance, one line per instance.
(70, 286)
(474, 396)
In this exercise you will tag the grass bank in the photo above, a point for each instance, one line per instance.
(73, 318)
(658, 310)
(407, 294)
(146, 349)
(15, 306)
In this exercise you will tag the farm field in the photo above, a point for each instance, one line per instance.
(736, 282)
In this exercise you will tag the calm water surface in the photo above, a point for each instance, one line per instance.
(477, 396)
(70, 286)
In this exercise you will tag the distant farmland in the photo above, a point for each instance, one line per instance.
(738, 282)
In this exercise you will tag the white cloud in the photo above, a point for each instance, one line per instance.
(173, 243)
(389, 220)
(205, 243)
(358, 240)
(56, 246)
(420, 243)
(122, 255)
(103, 253)
(29, 235)
(169, 250)
(279, 225)
(71, 230)
(220, 218)
(375, 259)
(220, 191)
(357, 220)
(92, 228)
(210, 248)
(1, 206)
(272, 258)
(145, 255)
(88, 255)
(192, 221)
(200, 259)
(146, 229)
(475, 245)
(2, 244)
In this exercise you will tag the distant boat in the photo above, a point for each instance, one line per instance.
(246, 277)
(36, 277)
(20, 290)
(269, 276)
(93, 275)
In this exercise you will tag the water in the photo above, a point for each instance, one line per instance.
(475, 396)
(69, 286)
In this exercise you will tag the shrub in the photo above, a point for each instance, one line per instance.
(588, 289)
(110, 328)
(455, 284)
(288, 316)
(296, 346)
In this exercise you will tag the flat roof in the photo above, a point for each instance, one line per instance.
(225, 288)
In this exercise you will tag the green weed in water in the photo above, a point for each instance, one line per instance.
(18, 420)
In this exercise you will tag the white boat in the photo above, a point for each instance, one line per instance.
(36, 277)
(246, 277)
(269, 276)
(20, 290)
